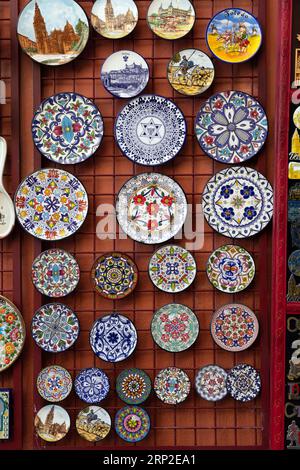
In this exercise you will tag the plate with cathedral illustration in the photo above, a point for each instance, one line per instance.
(12, 333)
(114, 19)
(170, 19)
(93, 423)
(53, 39)
(52, 423)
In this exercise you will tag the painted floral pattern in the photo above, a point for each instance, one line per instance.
(211, 383)
(92, 385)
(172, 385)
(132, 423)
(243, 383)
(133, 386)
(12, 333)
(54, 383)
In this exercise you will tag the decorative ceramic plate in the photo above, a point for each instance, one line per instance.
(174, 327)
(113, 338)
(172, 268)
(92, 385)
(234, 327)
(231, 127)
(114, 275)
(191, 72)
(51, 204)
(234, 35)
(132, 423)
(125, 74)
(172, 385)
(53, 39)
(93, 423)
(150, 130)
(12, 333)
(230, 269)
(151, 208)
(133, 386)
(238, 202)
(6, 413)
(67, 128)
(55, 273)
(55, 327)
(294, 262)
(296, 117)
(52, 423)
(114, 19)
(54, 383)
(243, 382)
(211, 383)
(171, 20)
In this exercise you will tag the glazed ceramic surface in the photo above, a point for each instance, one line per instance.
(133, 386)
(132, 423)
(151, 208)
(238, 202)
(211, 383)
(7, 209)
(12, 333)
(67, 128)
(114, 19)
(93, 423)
(52, 423)
(54, 383)
(296, 117)
(150, 130)
(294, 262)
(51, 204)
(172, 385)
(243, 382)
(92, 385)
(5, 413)
(171, 20)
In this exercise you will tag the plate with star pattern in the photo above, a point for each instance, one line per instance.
(243, 383)
(211, 383)
(133, 386)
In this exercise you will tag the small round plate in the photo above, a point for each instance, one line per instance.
(150, 130)
(91, 385)
(67, 128)
(234, 327)
(52, 423)
(243, 382)
(151, 208)
(171, 20)
(54, 383)
(174, 327)
(172, 269)
(296, 117)
(53, 39)
(191, 72)
(12, 333)
(114, 19)
(133, 386)
(132, 423)
(93, 423)
(230, 269)
(231, 127)
(113, 338)
(211, 383)
(114, 275)
(55, 327)
(238, 202)
(294, 263)
(234, 35)
(172, 385)
(51, 204)
(55, 273)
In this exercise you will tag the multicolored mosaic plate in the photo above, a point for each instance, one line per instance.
(51, 204)
(114, 19)
(92, 385)
(133, 386)
(54, 383)
(230, 269)
(211, 383)
(238, 202)
(175, 327)
(12, 333)
(243, 382)
(294, 262)
(52, 423)
(171, 20)
(5, 413)
(132, 423)
(151, 208)
(55, 327)
(93, 423)
(172, 385)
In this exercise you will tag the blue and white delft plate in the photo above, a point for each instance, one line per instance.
(211, 383)
(91, 385)
(231, 127)
(150, 130)
(54, 383)
(133, 386)
(243, 382)
(67, 128)
(132, 423)
(294, 262)
(238, 202)
(125, 74)
(113, 338)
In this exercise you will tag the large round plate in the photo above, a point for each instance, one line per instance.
(113, 338)
(92, 385)
(294, 263)
(230, 268)
(12, 333)
(174, 327)
(211, 383)
(93, 423)
(55, 327)
(52, 423)
(67, 128)
(231, 127)
(49, 38)
(238, 202)
(114, 19)
(172, 385)
(151, 208)
(133, 386)
(234, 327)
(51, 204)
(54, 383)
(243, 382)
(150, 130)
(132, 423)
(170, 20)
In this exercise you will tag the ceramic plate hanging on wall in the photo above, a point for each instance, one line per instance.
(238, 202)
(171, 20)
(51, 204)
(150, 130)
(12, 333)
(52, 423)
(172, 385)
(93, 423)
(92, 385)
(231, 127)
(211, 383)
(151, 208)
(6, 413)
(53, 39)
(296, 117)
(132, 423)
(114, 19)
(243, 382)
(67, 128)
(133, 386)
(294, 262)
(54, 383)
(234, 35)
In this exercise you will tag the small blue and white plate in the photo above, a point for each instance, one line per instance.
(243, 382)
(92, 385)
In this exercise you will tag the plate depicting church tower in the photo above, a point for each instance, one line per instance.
(171, 19)
(114, 19)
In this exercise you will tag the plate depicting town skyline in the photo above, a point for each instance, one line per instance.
(171, 19)
(114, 19)
(52, 423)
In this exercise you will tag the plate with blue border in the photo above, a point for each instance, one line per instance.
(92, 385)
